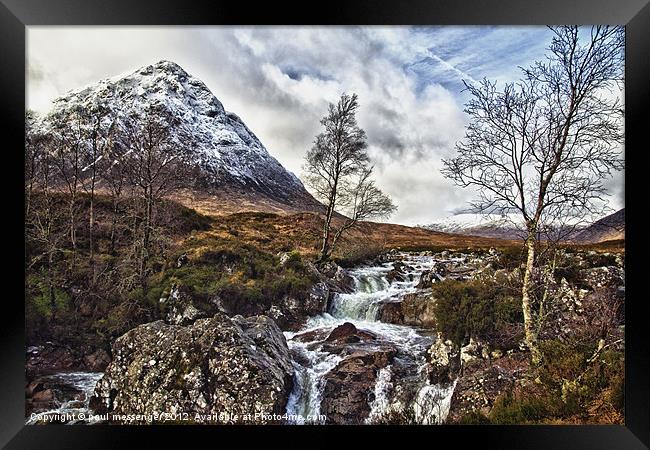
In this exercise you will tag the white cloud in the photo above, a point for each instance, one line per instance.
(279, 80)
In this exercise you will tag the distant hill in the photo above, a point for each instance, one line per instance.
(608, 228)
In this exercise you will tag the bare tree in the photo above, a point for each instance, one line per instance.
(362, 200)
(97, 130)
(156, 165)
(67, 140)
(35, 148)
(542, 147)
(337, 169)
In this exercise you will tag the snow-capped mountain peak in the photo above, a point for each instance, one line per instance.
(227, 151)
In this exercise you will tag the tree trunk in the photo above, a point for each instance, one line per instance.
(530, 336)
(324, 251)
(146, 240)
(91, 225)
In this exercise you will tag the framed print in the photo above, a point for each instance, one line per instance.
(368, 219)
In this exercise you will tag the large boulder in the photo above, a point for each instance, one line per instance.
(216, 370)
(415, 309)
(349, 386)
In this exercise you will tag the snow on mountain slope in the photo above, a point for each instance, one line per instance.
(228, 152)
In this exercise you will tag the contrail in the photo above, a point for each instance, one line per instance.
(459, 72)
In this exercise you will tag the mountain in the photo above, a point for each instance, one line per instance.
(608, 228)
(611, 227)
(490, 226)
(235, 165)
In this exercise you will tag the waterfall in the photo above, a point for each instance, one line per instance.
(429, 404)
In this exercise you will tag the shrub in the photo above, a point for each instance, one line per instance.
(479, 309)
(508, 410)
(511, 258)
(474, 418)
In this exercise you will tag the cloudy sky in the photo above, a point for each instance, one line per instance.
(279, 80)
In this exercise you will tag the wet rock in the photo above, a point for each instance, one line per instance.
(348, 333)
(415, 309)
(427, 279)
(51, 357)
(97, 361)
(349, 387)
(214, 366)
(391, 312)
(45, 395)
(337, 278)
(395, 275)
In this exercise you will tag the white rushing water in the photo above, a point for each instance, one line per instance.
(72, 392)
(431, 402)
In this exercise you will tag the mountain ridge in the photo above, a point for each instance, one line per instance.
(231, 158)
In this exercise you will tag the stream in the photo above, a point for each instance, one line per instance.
(401, 387)
(398, 389)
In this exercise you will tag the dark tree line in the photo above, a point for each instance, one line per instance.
(72, 157)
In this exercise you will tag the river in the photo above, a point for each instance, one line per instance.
(402, 386)
(422, 402)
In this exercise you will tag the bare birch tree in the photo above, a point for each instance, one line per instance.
(337, 169)
(156, 165)
(542, 147)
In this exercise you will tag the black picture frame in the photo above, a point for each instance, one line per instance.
(16, 15)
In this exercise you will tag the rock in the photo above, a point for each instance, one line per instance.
(473, 350)
(180, 309)
(45, 395)
(482, 382)
(444, 361)
(284, 257)
(51, 358)
(496, 354)
(349, 386)
(33, 387)
(395, 275)
(415, 309)
(391, 312)
(427, 279)
(348, 333)
(97, 361)
(337, 278)
(220, 367)
(182, 260)
(609, 276)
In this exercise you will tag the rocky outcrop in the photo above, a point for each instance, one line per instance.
(349, 387)
(609, 276)
(482, 382)
(216, 370)
(337, 278)
(179, 308)
(292, 312)
(415, 309)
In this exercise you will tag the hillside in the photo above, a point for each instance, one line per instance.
(608, 228)
(235, 167)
